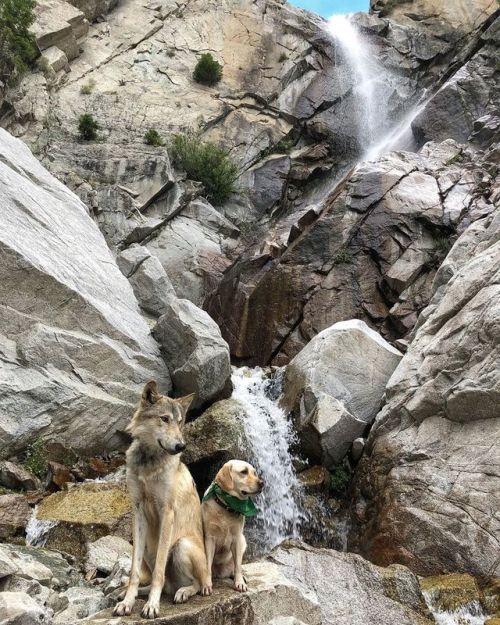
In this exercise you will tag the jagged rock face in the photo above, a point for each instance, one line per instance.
(471, 94)
(370, 254)
(427, 490)
(74, 347)
(441, 15)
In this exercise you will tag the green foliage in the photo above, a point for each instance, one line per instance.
(17, 44)
(153, 138)
(339, 479)
(88, 87)
(343, 257)
(206, 163)
(443, 244)
(208, 71)
(87, 127)
(37, 459)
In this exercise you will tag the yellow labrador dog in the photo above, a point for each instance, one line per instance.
(168, 550)
(226, 504)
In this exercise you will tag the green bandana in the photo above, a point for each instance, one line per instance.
(246, 507)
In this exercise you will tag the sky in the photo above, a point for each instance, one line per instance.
(327, 8)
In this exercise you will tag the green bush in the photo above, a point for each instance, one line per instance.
(17, 44)
(206, 163)
(343, 257)
(153, 138)
(443, 244)
(208, 71)
(339, 479)
(87, 127)
(37, 459)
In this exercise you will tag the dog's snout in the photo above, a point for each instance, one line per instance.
(180, 447)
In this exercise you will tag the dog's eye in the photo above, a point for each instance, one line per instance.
(165, 418)
(244, 471)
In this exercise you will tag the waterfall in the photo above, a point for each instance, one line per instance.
(470, 614)
(36, 530)
(368, 77)
(270, 435)
(372, 89)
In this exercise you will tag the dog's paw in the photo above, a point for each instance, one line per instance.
(183, 594)
(240, 585)
(206, 590)
(124, 608)
(150, 610)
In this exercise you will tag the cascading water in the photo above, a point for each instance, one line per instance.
(367, 77)
(270, 436)
(372, 88)
(36, 530)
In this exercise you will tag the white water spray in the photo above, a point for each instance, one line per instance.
(270, 436)
(368, 80)
(36, 530)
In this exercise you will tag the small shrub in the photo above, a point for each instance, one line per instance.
(343, 257)
(17, 44)
(171, 53)
(443, 244)
(206, 163)
(153, 138)
(37, 459)
(339, 479)
(208, 71)
(87, 127)
(88, 87)
(283, 58)
(122, 82)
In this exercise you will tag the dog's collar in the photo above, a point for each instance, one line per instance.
(244, 507)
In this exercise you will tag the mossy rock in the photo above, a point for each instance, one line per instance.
(85, 513)
(448, 593)
(492, 621)
(491, 598)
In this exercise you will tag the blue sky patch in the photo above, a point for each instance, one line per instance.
(326, 8)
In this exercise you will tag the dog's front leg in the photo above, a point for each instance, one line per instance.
(124, 608)
(152, 607)
(238, 547)
(210, 553)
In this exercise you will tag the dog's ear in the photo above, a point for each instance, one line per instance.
(224, 478)
(185, 402)
(151, 392)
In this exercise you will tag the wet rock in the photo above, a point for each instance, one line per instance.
(450, 593)
(357, 448)
(315, 479)
(214, 438)
(196, 353)
(18, 608)
(16, 477)
(325, 387)
(14, 515)
(74, 359)
(85, 513)
(441, 412)
(104, 553)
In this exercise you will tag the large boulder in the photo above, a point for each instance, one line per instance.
(300, 584)
(75, 349)
(72, 519)
(14, 515)
(334, 387)
(271, 595)
(428, 484)
(196, 353)
(215, 437)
